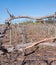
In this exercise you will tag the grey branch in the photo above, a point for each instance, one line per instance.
(12, 17)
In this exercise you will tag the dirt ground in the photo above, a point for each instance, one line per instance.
(41, 56)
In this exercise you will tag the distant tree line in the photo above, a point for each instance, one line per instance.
(47, 20)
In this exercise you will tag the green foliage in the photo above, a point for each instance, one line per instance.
(50, 20)
(27, 22)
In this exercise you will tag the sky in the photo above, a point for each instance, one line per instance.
(33, 8)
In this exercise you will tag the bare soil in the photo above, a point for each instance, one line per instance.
(42, 56)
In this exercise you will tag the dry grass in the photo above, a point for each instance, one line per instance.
(35, 32)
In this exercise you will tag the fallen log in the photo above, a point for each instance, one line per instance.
(28, 45)
(48, 44)
(40, 42)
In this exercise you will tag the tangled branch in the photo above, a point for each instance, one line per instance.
(12, 17)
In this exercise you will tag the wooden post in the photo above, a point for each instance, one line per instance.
(10, 36)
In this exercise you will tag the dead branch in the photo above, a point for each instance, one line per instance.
(39, 42)
(9, 13)
(29, 45)
(29, 17)
(12, 17)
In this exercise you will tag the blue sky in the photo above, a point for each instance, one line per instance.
(26, 7)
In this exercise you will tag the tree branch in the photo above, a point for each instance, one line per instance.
(12, 17)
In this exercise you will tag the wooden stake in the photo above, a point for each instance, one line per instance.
(10, 36)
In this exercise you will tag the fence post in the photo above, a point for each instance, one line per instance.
(10, 36)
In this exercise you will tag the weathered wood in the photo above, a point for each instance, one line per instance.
(29, 17)
(12, 17)
(39, 42)
(22, 47)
